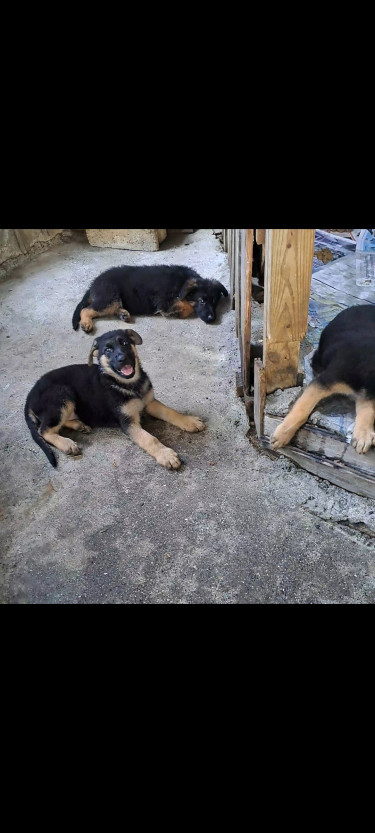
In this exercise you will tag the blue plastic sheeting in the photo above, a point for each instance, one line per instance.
(338, 246)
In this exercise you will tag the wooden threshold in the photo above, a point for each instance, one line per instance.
(326, 455)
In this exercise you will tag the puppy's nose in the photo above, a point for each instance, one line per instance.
(210, 317)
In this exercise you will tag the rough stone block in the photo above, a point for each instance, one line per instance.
(141, 239)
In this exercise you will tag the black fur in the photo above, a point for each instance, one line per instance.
(97, 395)
(346, 351)
(77, 314)
(36, 436)
(147, 290)
(343, 364)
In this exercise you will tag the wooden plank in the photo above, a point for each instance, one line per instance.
(237, 282)
(288, 272)
(239, 386)
(328, 456)
(325, 443)
(260, 395)
(249, 405)
(246, 243)
(260, 236)
(337, 473)
(231, 262)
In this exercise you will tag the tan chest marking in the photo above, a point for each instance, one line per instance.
(135, 407)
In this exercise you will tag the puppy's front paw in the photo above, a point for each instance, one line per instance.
(363, 440)
(193, 424)
(87, 328)
(282, 436)
(169, 459)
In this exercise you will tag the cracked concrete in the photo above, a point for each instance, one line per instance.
(232, 527)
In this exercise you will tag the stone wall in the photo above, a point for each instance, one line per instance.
(141, 239)
(16, 243)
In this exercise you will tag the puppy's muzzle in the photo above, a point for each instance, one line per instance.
(207, 315)
(123, 364)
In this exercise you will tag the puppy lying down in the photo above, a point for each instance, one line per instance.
(115, 392)
(128, 291)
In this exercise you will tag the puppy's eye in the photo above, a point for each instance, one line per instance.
(109, 348)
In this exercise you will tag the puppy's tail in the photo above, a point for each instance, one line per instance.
(37, 438)
(77, 314)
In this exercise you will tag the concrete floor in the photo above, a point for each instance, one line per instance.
(112, 527)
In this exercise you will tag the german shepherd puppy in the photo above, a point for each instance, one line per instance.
(126, 291)
(113, 393)
(344, 363)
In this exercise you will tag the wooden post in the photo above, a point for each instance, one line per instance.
(246, 245)
(237, 280)
(260, 236)
(288, 271)
(230, 236)
(260, 395)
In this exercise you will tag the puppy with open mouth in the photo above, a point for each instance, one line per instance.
(115, 392)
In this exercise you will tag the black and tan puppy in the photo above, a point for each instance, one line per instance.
(343, 364)
(113, 393)
(127, 291)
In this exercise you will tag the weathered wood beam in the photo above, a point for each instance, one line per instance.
(288, 272)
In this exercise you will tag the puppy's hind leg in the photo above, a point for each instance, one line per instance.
(87, 318)
(301, 411)
(97, 310)
(77, 425)
(125, 315)
(364, 434)
(51, 425)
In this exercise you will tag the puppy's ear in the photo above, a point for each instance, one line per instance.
(188, 286)
(223, 290)
(93, 352)
(134, 337)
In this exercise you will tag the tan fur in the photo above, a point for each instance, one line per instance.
(67, 412)
(302, 410)
(164, 456)
(363, 434)
(88, 315)
(150, 396)
(186, 423)
(62, 443)
(182, 308)
(121, 380)
(77, 425)
(189, 285)
(52, 437)
(133, 409)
